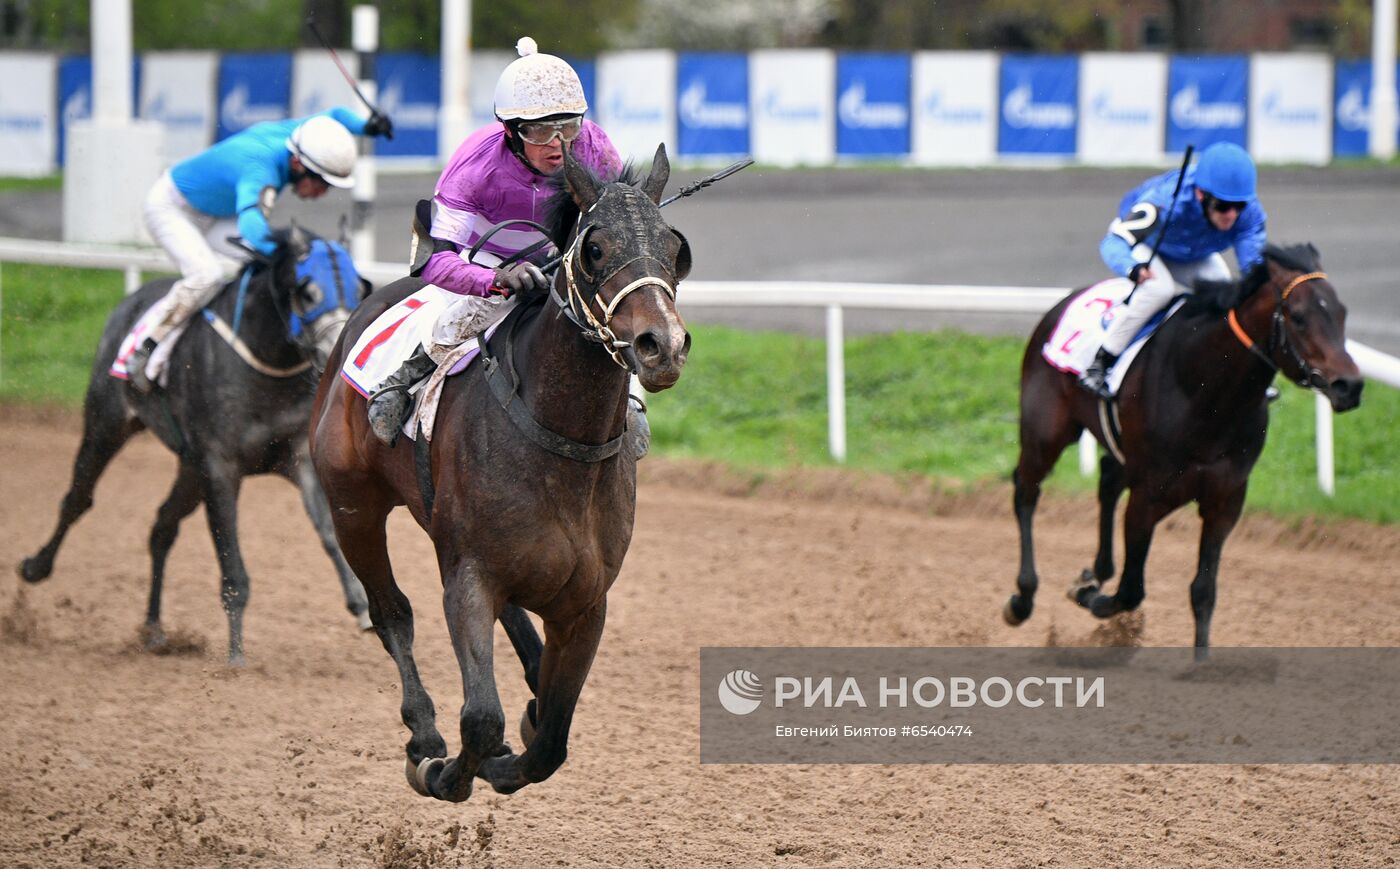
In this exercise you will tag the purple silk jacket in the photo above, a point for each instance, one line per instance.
(484, 184)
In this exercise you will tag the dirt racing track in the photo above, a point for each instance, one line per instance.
(115, 757)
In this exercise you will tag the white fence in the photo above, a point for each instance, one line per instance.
(833, 297)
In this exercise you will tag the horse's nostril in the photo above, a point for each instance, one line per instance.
(685, 346)
(646, 345)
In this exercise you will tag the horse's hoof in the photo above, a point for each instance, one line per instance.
(1008, 613)
(364, 621)
(415, 780)
(30, 570)
(527, 727)
(1087, 586)
(153, 638)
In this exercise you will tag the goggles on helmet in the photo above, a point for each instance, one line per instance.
(543, 132)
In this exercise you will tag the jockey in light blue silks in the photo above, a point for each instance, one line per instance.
(1217, 208)
(501, 172)
(195, 204)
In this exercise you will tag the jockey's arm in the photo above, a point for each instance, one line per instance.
(255, 196)
(1135, 224)
(348, 119)
(1249, 243)
(446, 269)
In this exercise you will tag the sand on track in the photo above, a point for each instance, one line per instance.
(115, 757)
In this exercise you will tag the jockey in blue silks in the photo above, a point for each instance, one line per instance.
(1217, 208)
(195, 204)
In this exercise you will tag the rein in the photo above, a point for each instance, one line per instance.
(1278, 336)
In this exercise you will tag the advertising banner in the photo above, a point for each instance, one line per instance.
(872, 105)
(1207, 100)
(75, 93)
(253, 88)
(486, 69)
(637, 101)
(712, 105)
(954, 107)
(1122, 108)
(177, 91)
(28, 124)
(1352, 109)
(410, 89)
(792, 103)
(587, 70)
(318, 84)
(1039, 105)
(1290, 108)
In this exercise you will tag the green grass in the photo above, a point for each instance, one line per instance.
(52, 319)
(942, 405)
(47, 182)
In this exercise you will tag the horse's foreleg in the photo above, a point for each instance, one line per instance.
(184, 496)
(471, 620)
(1111, 484)
(1220, 510)
(568, 656)
(221, 508)
(1044, 435)
(529, 649)
(304, 476)
(359, 518)
(1139, 520)
(103, 436)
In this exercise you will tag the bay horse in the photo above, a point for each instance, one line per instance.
(534, 495)
(1193, 416)
(235, 404)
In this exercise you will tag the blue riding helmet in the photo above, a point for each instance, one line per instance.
(1226, 172)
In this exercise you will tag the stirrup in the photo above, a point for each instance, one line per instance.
(136, 363)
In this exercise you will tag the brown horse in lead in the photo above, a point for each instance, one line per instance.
(535, 493)
(1193, 415)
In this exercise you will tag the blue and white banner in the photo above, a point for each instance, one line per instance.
(637, 101)
(792, 102)
(1207, 100)
(486, 69)
(253, 88)
(1352, 109)
(410, 89)
(872, 105)
(318, 84)
(28, 124)
(955, 107)
(177, 91)
(712, 105)
(1122, 108)
(1290, 108)
(1039, 105)
(587, 70)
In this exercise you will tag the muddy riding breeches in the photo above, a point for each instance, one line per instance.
(1169, 280)
(195, 242)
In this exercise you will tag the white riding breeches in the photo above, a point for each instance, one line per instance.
(464, 318)
(1167, 282)
(195, 241)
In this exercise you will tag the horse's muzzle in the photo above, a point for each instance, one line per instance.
(1344, 393)
(659, 356)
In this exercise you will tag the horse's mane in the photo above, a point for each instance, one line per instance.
(1217, 297)
(561, 212)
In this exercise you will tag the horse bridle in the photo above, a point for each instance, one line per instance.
(1278, 337)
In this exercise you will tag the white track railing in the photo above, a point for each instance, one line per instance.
(833, 297)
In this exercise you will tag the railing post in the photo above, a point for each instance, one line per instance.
(133, 279)
(1326, 478)
(835, 383)
(1088, 454)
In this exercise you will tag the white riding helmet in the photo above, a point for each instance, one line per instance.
(538, 85)
(326, 148)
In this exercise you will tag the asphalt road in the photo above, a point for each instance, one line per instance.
(1021, 227)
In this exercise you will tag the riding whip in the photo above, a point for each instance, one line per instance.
(1171, 211)
(311, 25)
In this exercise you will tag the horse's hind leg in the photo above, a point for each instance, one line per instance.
(1111, 484)
(221, 508)
(106, 427)
(304, 476)
(1139, 521)
(529, 649)
(568, 656)
(471, 618)
(360, 528)
(184, 496)
(1220, 510)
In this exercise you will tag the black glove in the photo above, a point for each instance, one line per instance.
(379, 125)
(1135, 273)
(521, 277)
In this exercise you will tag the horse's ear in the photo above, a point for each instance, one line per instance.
(582, 185)
(683, 258)
(660, 173)
(1316, 254)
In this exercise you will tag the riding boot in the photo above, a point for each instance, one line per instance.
(136, 366)
(1095, 377)
(390, 406)
(638, 429)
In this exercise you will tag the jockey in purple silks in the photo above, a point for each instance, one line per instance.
(501, 172)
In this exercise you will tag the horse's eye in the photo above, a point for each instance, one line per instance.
(311, 292)
(595, 252)
(1298, 318)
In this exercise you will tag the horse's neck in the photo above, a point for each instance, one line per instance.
(571, 385)
(261, 325)
(1213, 363)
